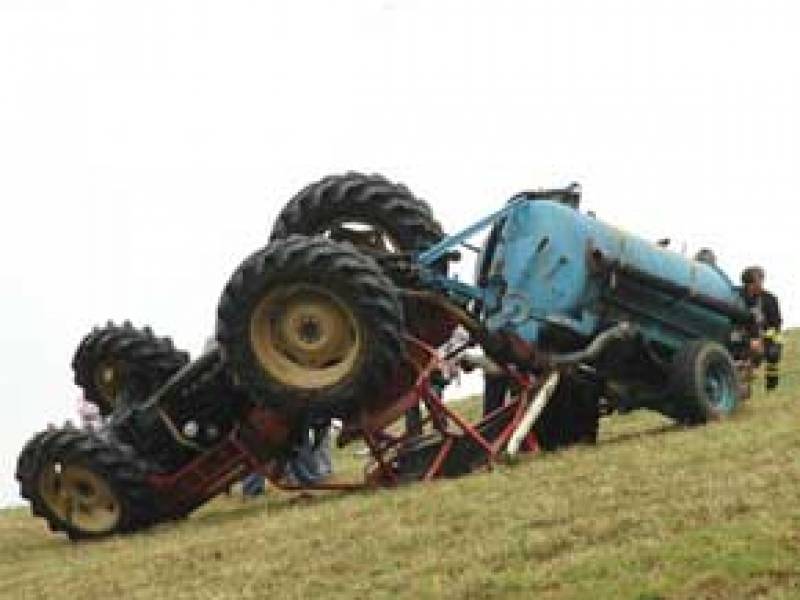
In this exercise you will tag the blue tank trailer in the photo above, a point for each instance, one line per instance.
(349, 313)
(557, 286)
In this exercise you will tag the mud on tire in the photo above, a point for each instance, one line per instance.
(313, 325)
(122, 360)
(85, 485)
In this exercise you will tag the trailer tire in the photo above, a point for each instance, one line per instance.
(396, 221)
(312, 325)
(85, 485)
(122, 361)
(703, 383)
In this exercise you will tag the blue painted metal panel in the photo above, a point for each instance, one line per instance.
(546, 259)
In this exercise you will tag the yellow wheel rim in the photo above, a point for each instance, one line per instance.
(107, 380)
(79, 497)
(304, 336)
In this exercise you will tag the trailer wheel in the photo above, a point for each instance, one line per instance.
(374, 214)
(703, 382)
(310, 324)
(119, 361)
(85, 485)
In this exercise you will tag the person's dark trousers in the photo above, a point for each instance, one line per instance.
(253, 485)
(494, 393)
(772, 356)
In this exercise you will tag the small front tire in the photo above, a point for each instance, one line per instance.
(85, 485)
(123, 362)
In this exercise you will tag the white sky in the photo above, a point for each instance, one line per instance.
(145, 147)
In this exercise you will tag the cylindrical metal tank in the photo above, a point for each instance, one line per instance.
(567, 275)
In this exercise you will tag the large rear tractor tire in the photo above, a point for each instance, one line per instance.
(312, 325)
(703, 383)
(118, 362)
(366, 210)
(375, 215)
(85, 485)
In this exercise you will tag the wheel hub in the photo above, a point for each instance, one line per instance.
(305, 336)
(720, 387)
(107, 381)
(79, 497)
(310, 330)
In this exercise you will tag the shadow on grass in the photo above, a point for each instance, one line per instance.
(622, 438)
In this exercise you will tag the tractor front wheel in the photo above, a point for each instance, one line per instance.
(85, 485)
(122, 361)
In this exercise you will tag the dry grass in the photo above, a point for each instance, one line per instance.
(652, 512)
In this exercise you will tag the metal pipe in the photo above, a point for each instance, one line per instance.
(438, 250)
(493, 345)
(736, 313)
(482, 362)
(621, 331)
(469, 323)
(532, 414)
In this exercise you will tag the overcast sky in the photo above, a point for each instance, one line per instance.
(145, 147)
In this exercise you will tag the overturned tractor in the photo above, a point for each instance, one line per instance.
(343, 314)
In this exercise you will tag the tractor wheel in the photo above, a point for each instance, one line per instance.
(85, 485)
(121, 361)
(311, 324)
(366, 210)
(703, 383)
(373, 214)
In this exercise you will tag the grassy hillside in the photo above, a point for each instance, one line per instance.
(653, 512)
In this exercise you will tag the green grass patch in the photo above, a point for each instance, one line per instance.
(653, 512)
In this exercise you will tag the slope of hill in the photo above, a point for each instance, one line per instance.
(653, 512)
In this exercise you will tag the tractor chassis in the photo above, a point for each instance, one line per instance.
(453, 445)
